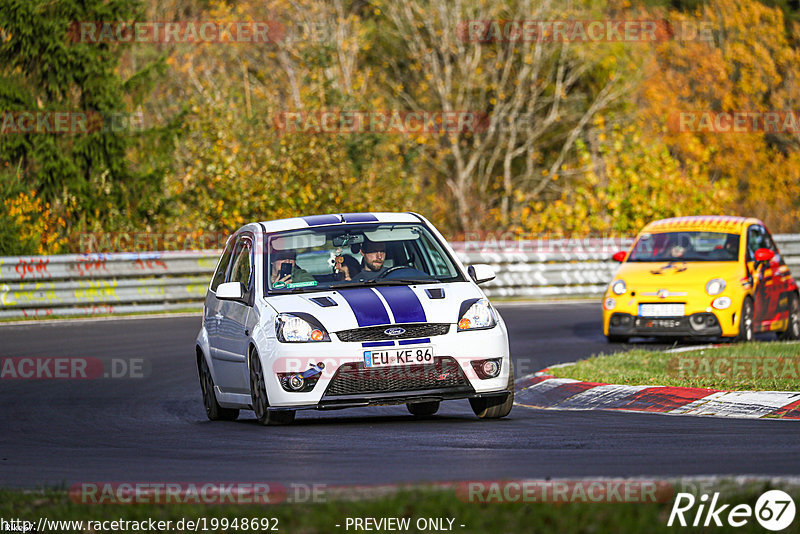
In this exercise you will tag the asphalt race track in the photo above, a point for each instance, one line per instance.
(154, 429)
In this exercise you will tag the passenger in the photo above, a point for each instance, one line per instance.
(291, 274)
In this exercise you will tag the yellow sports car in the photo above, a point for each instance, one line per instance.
(708, 276)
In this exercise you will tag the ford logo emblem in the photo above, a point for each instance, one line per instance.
(394, 331)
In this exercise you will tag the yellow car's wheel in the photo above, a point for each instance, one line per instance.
(746, 332)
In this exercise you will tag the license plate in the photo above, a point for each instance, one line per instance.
(661, 310)
(401, 356)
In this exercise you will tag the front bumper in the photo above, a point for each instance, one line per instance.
(345, 382)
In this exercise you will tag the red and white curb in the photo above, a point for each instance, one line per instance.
(545, 391)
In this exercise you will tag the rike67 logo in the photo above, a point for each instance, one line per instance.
(774, 510)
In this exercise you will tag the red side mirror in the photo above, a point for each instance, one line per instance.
(619, 256)
(764, 254)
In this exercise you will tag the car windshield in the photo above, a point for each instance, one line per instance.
(686, 246)
(355, 255)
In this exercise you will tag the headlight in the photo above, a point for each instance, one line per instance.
(619, 287)
(610, 303)
(294, 329)
(715, 286)
(479, 316)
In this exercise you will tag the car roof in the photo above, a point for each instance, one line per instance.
(708, 223)
(296, 223)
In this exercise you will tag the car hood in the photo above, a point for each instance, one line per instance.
(372, 306)
(676, 274)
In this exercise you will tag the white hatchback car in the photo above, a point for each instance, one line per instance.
(348, 310)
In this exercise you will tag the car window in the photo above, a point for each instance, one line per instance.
(686, 246)
(222, 266)
(756, 239)
(242, 266)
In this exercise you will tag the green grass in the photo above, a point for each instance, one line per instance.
(566, 518)
(769, 366)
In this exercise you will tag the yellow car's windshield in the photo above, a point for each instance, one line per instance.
(686, 246)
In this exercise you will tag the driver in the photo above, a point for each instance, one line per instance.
(372, 263)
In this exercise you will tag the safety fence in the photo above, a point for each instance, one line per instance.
(92, 284)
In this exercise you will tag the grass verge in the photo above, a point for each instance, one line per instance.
(323, 517)
(761, 366)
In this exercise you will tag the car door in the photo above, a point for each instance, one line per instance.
(213, 306)
(765, 291)
(231, 358)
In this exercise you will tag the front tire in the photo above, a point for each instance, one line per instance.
(495, 407)
(746, 332)
(214, 411)
(423, 409)
(792, 331)
(258, 396)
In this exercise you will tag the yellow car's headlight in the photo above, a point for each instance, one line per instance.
(715, 286)
(619, 287)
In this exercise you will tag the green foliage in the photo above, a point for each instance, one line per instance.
(87, 171)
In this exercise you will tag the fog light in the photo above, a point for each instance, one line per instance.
(490, 368)
(626, 320)
(615, 320)
(697, 321)
(711, 320)
(610, 303)
(722, 303)
(296, 382)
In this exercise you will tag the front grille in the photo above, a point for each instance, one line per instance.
(355, 379)
(376, 333)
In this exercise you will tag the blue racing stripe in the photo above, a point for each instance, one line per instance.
(317, 220)
(358, 217)
(404, 304)
(414, 341)
(379, 344)
(366, 305)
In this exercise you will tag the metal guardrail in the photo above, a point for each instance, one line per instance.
(91, 284)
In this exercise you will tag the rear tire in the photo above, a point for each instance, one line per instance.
(746, 332)
(258, 396)
(423, 409)
(214, 411)
(495, 407)
(792, 331)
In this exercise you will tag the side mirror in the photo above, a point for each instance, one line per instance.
(480, 273)
(230, 291)
(764, 254)
(619, 256)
